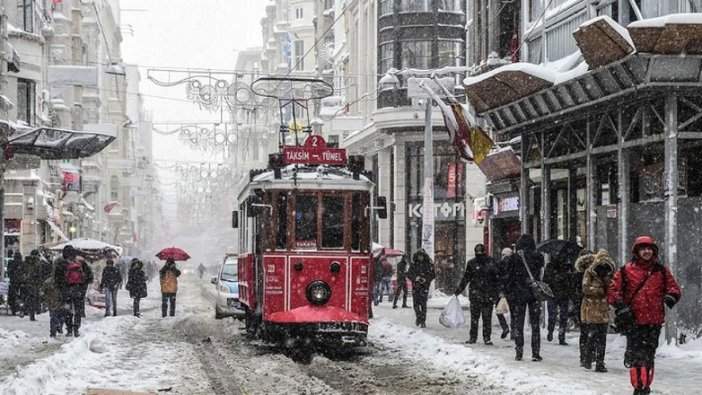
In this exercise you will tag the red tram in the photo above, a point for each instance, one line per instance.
(305, 267)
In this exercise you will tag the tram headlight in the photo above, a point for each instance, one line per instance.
(318, 292)
(335, 267)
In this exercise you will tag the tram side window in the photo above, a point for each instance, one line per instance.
(333, 222)
(356, 222)
(306, 221)
(282, 211)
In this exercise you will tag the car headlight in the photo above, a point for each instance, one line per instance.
(223, 288)
(318, 292)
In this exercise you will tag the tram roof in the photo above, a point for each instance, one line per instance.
(310, 177)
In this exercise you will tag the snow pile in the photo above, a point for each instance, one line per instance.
(463, 361)
(12, 338)
(672, 19)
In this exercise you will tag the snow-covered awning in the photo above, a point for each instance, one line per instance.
(602, 41)
(55, 228)
(51, 143)
(669, 34)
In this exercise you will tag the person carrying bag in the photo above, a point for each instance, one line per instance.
(542, 292)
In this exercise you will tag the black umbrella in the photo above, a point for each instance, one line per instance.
(564, 249)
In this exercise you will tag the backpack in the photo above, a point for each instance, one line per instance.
(74, 274)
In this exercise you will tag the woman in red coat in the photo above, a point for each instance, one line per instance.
(646, 285)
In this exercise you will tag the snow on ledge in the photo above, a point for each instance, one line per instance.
(617, 27)
(672, 19)
(532, 69)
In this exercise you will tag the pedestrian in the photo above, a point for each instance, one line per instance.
(385, 280)
(123, 267)
(32, 285)
(16, 274)
(169, 286)
(71, 278)
(482, 275)
(594, 311)
(52, 298)
(558, 274)
(136, 285)
(647, 286)
(501, 317)
(109, 283)
(401, 282)
(88, 279)
(516, 288)
(201, 269)
(584, 261)
(377, 279)
(46, 273)
(421, 273)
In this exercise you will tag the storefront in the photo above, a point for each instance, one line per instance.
(449, 209)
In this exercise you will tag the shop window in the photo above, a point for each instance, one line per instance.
(356, 212)
(450, 53)
(25, 100)
(333, 221)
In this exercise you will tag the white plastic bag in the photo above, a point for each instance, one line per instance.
(502, 306)
(452, 316)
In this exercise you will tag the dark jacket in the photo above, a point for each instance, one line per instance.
(88, 275)
(482, 274)
(110, 277)
(401, 270)
(16, 270)
(421, 273)
(515, 283)
(558, 274)
(52, 295)
(647, 306)
(136, 283)
(33, 273)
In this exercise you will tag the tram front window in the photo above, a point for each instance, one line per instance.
(333, 222)
(306, 221)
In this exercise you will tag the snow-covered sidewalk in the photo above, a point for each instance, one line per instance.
(678, 368)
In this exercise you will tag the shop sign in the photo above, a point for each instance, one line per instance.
(443, 211)
(507, 203)
(70, 181)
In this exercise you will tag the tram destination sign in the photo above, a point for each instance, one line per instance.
(315, 152)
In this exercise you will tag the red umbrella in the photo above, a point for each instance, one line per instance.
(175, 253)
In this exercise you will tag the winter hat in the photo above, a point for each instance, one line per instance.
(69, 252)
(109, 262)
(506, 252)
(34, 253)
(479, 249)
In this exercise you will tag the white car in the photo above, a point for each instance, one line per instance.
(227, 283)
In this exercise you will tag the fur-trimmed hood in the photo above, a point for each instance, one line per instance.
(584, 262)
(602, 258)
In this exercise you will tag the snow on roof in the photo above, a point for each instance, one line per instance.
(672, 19)
(532, 69)
(617, 27)
(305, 173)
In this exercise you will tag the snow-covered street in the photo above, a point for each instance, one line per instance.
(193, 353)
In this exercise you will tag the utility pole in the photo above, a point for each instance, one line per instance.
(4, 116)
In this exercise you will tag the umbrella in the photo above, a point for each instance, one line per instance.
(565, 249)
(175, 253)
(90, 247)
(379, 249)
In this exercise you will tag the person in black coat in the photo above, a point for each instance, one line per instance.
(72, 295)
(16, 274)
(109, 283)
(558, 274)
(516, 288)
(136, 284)
(32, 285)
(421, 273)
(401, 283)
(482, 274)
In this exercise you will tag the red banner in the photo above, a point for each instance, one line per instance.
(71, 181)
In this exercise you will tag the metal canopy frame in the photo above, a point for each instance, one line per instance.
(50, 143)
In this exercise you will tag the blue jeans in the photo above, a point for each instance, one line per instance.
(558, 307)
(55, 321)
(383, 284)
(111, 301)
